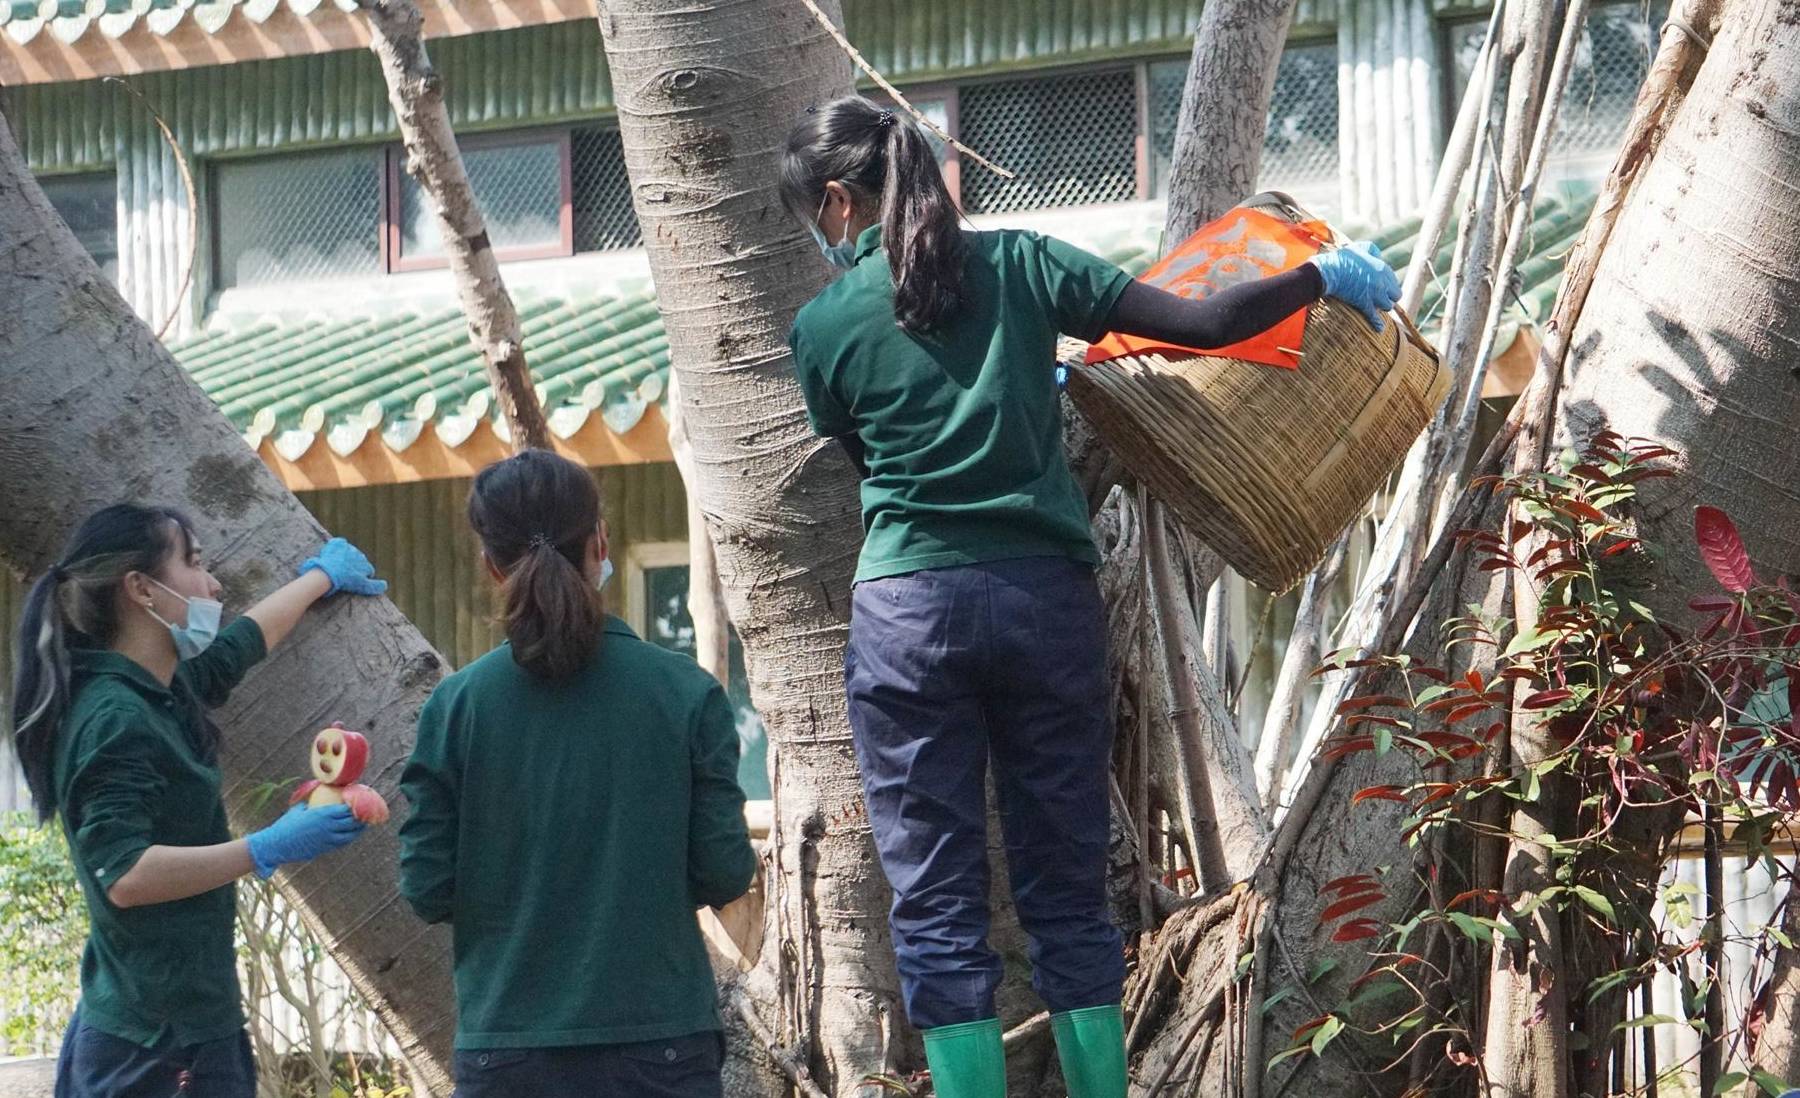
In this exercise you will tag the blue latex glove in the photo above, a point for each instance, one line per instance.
(1357, 274)
(301, 835)
(347, 569)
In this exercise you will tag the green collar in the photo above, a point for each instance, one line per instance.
(94, 662)
(868, 241)
(616, 626)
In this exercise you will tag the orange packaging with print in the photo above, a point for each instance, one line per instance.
(1243, 246)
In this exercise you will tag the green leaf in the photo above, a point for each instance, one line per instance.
(1647, 1020)
(1287, 1054)
(1529, 641)
(1596, 901)
(1319, 969)
(1728, 1082)
(1326, 1033)
(1533, 786)
(1269, 1003)
(1244, 963)
(1384, 739)
(1771, 1086)
(1432, 693)
(1471, 926)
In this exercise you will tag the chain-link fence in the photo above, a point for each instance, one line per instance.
(519, 186)
(1071, 140)
(600, 193)
(285, 218)
(1300, 143)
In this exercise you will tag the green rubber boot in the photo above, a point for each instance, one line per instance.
(967, 1060)
(1091, 1045)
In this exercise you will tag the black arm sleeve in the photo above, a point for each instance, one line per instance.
(1230, 316)
(855, 451)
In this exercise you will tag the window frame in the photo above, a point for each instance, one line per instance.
(48, 181)
(640, 559)
(394, 259)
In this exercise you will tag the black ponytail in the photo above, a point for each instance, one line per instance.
(534, 513)
(76, 605)
(884, 160)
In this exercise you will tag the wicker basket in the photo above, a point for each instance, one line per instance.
(1268, 466)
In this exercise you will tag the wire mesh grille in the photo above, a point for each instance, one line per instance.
(1610, 63)
(519, 188)
(284, 218)
(600, 193)
(1071, 140)
(88, 204)
(1300, 144)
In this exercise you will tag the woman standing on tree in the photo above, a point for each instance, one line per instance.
(976, 626)
(574, 798)
(120, 654)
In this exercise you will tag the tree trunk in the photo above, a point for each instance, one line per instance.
(97, 411)
(416, 93)
(706, 597)
(1224, 110)
(1778, 1049)
(706, 95)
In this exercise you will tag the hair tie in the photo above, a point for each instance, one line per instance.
(539, 541)
(886, 119)
(58, 573)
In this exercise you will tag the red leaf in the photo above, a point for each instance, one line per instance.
(1350, 746)
(1347, 905)
(1353, 883)
(1586, 511)
(1439, 790)
(1486, 895)
(1380, 793)
(1544, 699)
(1467, 709)
(1356, 930)
(1620, 546)
(1369, 700)
(1474, 679)
(1723, 549)
(1592, 472)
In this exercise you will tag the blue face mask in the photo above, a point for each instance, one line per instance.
(202, 624)
(841, 255)
(606, 574)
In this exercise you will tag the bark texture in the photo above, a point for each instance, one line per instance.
(1224, 110)
(706, 95)
(416, 94)
(97, 411)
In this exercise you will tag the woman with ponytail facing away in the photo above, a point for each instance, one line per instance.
(574, 799)
(120, 656)
(976, 627)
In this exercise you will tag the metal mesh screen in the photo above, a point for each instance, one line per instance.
(1609, 65)
(600, 193)
(1300, 144)
(88, 204)
(1071, 140)
(519, 187)
(283, 218)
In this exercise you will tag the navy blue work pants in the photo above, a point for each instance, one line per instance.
(947, 668)
(674, 1067)
(93, 1064)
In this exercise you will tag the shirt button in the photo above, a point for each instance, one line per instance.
(482, 1059)
(669, 1055)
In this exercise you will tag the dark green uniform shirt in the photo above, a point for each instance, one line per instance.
(131, 773)
(568, 831)
(962, 429)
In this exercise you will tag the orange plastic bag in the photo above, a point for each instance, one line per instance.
(1242, 246)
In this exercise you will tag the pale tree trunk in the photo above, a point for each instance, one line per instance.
(1298, 660)
(706, 597)
(416, 94)
(97, 411)
(1224, 110)
(706, 95)
(1778, 1049)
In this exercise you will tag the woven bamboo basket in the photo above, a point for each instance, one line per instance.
(1268, 466)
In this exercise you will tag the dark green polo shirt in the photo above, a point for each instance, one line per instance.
(961, 428)
(131, 772)
(568, 831)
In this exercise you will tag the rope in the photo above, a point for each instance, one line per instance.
(863, 64)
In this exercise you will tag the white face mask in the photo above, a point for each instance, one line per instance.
(202, 623)
(606, 574)
(841, 255)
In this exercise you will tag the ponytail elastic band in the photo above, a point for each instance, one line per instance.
(58, 573)
(539, 541)
(886, 119)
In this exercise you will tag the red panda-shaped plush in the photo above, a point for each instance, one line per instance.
(338, 758)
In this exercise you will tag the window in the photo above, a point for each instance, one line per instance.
(522, 184)
(292, 218)
(87, 204)
(1300, 143)
(1070, 140)
(349, 212)
(656, 597)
